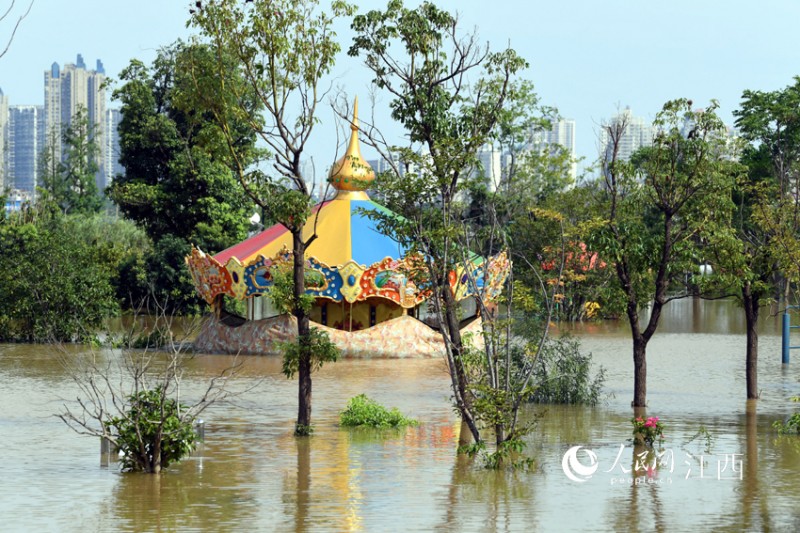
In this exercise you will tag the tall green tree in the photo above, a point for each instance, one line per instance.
(448, 92)
(49, 178)
(771, 120)
(179, 182)
(768, 213)
(80, 165)
(742, 254)
(69, 179)
(55, 286)
(658, 208)
(284, 47)
(179, 178)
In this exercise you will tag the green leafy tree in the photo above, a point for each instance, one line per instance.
(743, 254)
(284, 48)
(54, 285)
(448, 92)
(179, 182)
(70, 179)
(49, 179)
(658, 208)
(80, 165)
(178, 174)
(119, 245)
(771, 120)
(755, 256)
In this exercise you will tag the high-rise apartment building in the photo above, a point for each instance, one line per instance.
(562, 133)
(113, 168)
(381, 165)
(65, 91)
(637, 133)
(52, 106)
(3, 140)
(25, 144)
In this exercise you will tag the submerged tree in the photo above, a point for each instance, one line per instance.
(55, 285)
(449, 93)
(284, 48)
(135, 398)
(770, 122)
(658, 208)
(743, 253)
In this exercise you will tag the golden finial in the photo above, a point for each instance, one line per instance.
(352, 172)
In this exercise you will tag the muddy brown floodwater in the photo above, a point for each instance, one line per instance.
(252, 475)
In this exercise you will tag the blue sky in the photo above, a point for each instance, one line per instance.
(587, 57)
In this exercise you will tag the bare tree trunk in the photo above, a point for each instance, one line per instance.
(465, 434)
(303, 489)
(303, 331)
(639, 352)
(156, 461)
(639, 371)
(750, 302)
(499, 434)
(452, 325)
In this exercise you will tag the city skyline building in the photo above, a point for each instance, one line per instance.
(488, 167)
(113, 168)
(561, 133)
(3, 139)
(25, 144)
(27, 130)
(68, 89)
(638, 133)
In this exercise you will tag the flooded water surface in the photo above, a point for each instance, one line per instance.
(723, 466)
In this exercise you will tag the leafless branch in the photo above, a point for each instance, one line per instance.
(16, 24)
(154, 357)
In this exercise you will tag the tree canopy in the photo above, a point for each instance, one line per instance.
(178, 171)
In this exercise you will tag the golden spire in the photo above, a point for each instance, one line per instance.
(352, 172)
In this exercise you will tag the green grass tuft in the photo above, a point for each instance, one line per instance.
(362, 411)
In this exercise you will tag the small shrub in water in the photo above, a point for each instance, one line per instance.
(363, 411)
(157, 338)
(561, 375)
(507, 455)
(790, 427)
(152, 434)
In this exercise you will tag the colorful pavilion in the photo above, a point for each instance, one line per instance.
(364, 297)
